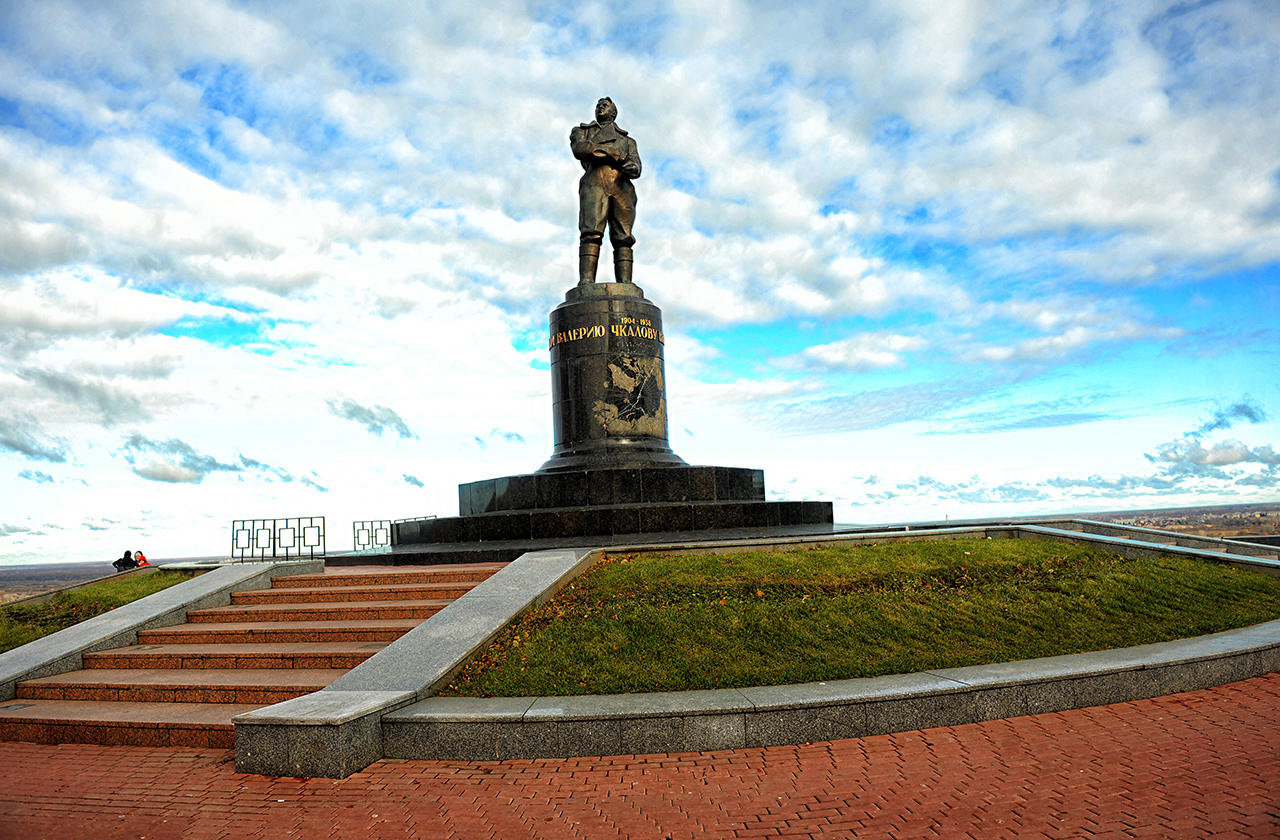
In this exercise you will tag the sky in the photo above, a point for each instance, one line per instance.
(934, 260)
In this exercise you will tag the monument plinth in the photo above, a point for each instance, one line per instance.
(608, 381)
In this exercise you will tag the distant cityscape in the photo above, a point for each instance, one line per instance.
(1217, 521)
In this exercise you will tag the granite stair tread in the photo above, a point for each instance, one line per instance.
(366, 630)
(256, 685)
(325, 611)
(378, 575)
(236, 655)
(123, 724)
(331, 594)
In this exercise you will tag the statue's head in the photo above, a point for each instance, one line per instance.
(606, 111)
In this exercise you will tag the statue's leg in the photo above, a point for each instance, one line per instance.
(622, 214)
(622, 260)
(588, 259)
(592, 217)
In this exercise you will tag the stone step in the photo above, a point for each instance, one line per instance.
(354, 570)
(362, 611)
(333, 594)
(210, 685)
(198, 656)
(200, 725)
(272, 632)
(226, 661)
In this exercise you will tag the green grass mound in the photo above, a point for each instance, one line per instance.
(20, 624)
(672, 623)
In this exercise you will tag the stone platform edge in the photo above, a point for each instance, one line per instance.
(385, 708)
(61, 652)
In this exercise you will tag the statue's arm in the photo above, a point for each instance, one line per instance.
(631, 166)
(580, 143)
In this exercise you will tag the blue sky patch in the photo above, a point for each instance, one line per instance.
(892, 131)
(221, 333)
(367, 68)
(227, 88)
(48, 123)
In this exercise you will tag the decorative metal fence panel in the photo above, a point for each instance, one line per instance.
(301, 536)
(371, 534)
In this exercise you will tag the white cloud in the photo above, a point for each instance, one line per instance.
(860, 352)
(217, 218)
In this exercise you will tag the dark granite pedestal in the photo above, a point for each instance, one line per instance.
(608, 381)
(612, 473)
(610, 503)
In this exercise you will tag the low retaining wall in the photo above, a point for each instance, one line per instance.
(384, 707)
(477, 729)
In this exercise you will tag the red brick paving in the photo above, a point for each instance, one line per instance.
(1195, 765)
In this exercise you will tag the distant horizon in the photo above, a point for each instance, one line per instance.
(4, 564)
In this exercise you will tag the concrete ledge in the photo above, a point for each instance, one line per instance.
(455, 728)
(63, 651)
(338, 731)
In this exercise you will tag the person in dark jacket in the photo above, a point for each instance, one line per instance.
(125, 562)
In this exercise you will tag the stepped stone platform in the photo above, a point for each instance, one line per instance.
(181, 685)
(501, 518)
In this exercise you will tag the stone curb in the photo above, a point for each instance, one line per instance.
(466, 729)
(384, 707)
(63, 651)
(471, 729)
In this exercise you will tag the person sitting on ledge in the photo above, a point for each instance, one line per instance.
(125, 562)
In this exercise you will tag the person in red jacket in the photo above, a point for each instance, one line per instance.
(140, 558)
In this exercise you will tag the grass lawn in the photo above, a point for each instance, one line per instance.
(668, 623)
(21, 624)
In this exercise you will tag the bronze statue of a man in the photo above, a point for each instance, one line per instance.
(605, 193)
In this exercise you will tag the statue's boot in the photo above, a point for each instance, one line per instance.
(622, 265)
(588, 259)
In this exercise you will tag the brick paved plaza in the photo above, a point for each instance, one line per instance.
(1194, 765)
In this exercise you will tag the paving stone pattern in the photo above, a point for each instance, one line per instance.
(1203, 764)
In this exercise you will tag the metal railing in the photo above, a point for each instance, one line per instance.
(367, 535)
(301, 536)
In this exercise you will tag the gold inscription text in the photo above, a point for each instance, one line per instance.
(575, 334)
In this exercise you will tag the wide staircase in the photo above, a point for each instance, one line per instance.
(182, 685)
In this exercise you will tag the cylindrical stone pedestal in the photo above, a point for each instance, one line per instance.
(608, 383)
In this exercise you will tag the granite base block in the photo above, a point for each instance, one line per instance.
(526, 741)
(330, 751)
(704, 733)
(640, 736)
(610, 487)
(620, 520)
(466, 742)
(909, 714)
(778, 727)
(589, 737)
